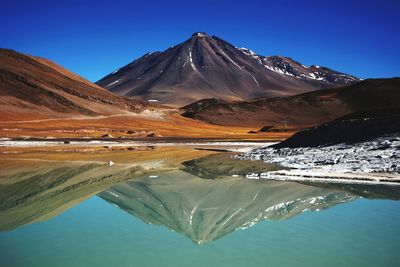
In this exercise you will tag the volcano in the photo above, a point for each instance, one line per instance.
(206, 66)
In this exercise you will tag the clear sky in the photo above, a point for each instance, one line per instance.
(92, 38)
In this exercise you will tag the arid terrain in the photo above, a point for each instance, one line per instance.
(129, 127)
(39, 99)
(35, 88)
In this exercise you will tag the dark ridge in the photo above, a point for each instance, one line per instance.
(352, 128)
(299, 111)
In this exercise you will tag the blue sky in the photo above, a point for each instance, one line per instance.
(92, 38)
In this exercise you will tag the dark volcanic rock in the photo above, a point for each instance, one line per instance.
(266, 129)
(353, 128)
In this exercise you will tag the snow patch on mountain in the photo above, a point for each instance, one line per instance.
(191, 60)
(231, 60)
(254, 78)
(278, 70)
(114, 82)
(252, 54)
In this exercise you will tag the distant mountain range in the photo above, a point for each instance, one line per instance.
(206, 66)
(33, 87)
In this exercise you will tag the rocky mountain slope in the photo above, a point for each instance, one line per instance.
(310, 109)
(32, 87)
(206, 66)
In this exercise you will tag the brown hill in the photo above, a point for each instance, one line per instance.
(32, 87)
(206, 66)
(307, 109)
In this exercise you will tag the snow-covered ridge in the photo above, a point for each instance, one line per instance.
(279, 70)
(286, 66)
(251, 53)
(247, 51)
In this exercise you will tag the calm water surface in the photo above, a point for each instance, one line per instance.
(166, 207)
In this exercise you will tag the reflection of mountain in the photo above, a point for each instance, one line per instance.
(205, 210)
(36, 185)
(366, 191)
(38, 190)
(220, 165)
(34, 189)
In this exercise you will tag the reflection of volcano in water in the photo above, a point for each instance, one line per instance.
(205, 210)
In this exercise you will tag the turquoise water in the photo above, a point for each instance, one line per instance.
(91, 214)
(359, 233)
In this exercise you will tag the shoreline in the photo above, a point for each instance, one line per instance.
(155, 139)
(375, 161)
(217, 145)
(241, 145)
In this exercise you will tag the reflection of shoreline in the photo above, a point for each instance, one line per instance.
(134, 143)
(44, 190)
(330, 177)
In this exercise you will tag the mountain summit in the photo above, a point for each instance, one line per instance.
(206, 66)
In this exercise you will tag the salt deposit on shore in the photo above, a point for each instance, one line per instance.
(341, 162)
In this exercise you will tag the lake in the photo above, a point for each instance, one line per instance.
(180, 206)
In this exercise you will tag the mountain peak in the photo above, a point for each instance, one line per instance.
(206, 66)
(199, 34)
